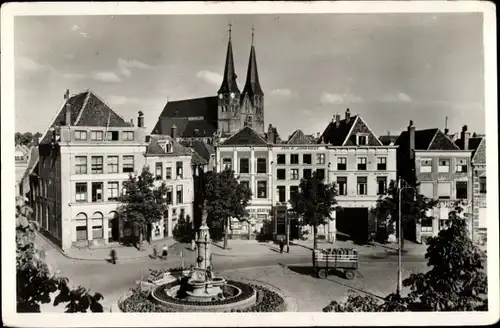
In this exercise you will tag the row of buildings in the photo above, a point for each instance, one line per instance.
(77, 168)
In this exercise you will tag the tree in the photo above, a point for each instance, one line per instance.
(183, 231)
(315, 202)
(36, 281)
(414, 207)
(456, 280)
(225, 199)
(25, 138)
(143, 203)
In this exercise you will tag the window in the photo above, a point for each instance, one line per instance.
(381, 163)
(320, 173)
(81, 192)
(461, 189)
(248, 121)
(174, 212)
(112, 135)
(19, 158)
(426, 165)
(461, 165)
(128, 164)
(362, 163)
(159, 170)
(97, 226)
(81, 165)
(281, 159)
(320, 159)
(178, 170)
(307, 174)
(128, 135)
(183, 212)
(342, 163)
(444, 190)
(244, 165)
(342, 185)
(294, 190)
(112, 164)
(81, 226)
(281, 174)
(482, 185)
(294, 174)
(426, 225)
(261, 165)
(362, 190)
(179, 194)
(226, 163)
(81, 135)
(168, 173)
(427, 189)
(307, 159)
(381, 185)
(444, 213)
(261, 189)
(96, 135)
(444, 166)
(96, 191)
(362, 140)
(113, 191)
(97, 164)
(246, 184)
(281, 194)
(169, 195)
(294, 158)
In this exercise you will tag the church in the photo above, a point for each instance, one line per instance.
(220, 116)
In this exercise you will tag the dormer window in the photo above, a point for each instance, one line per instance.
(362, 139)
(166, 147)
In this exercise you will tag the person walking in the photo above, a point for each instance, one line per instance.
(282, 244)
(164, 252)
(113, 257)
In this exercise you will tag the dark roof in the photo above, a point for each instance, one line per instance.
(299, 138)
(252, 84)
(199, 146)
(187, 128)
(154, 147)
(246, 136)
(197, 159)
(229, 79)
(425, 140)
(87, 109)
(32, 162)
(387, 140)
(336, 136)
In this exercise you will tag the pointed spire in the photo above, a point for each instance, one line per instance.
(252, 85)
(229, 80)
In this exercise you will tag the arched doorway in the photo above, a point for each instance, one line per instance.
(81, 227)
(113, 227)
(97, 226)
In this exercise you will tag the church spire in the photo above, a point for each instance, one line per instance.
(252, 85)
(229, 80)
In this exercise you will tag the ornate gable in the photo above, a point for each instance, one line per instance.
(361, 135)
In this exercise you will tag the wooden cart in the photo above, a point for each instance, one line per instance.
(345, 260)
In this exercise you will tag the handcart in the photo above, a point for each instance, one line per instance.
(343, 259)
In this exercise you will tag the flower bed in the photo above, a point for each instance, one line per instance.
(139, 301)
(267, 301)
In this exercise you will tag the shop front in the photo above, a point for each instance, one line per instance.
(256, 223)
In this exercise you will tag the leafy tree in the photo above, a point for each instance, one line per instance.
(314, 202)
(36, 281)
(225, 199)
(456, 280)
(143, 203)
(183, 231)
(414, 207)
(25, 138)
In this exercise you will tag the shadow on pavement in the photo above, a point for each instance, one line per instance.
(273, 249)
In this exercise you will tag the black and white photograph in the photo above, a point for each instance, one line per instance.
(210, 161)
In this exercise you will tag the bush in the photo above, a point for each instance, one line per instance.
(139, 301)
(267, 301)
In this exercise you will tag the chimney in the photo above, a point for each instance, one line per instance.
(68, 109)
(446, 130)
(173, 132)
(270, 134)
(347, 114)
(337, 119)
(131, 122)
(140, 120)
(411, 140)
(465, 135)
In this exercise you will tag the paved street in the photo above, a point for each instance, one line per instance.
(289, 272)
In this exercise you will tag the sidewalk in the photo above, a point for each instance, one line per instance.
(239, 248)
(103, 253)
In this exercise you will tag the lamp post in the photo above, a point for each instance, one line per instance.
(194, 171)
(400, 189)
(287, 231)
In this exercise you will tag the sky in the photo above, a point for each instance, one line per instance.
(388, 68)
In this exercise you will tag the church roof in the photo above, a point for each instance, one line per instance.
(229, 79)
(252, 84)
(244, 137)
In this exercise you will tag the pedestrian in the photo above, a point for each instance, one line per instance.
(164, 252)
(282, 244)
(113, 257)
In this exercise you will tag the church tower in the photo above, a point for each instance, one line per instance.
(229, 96)
(252, 98)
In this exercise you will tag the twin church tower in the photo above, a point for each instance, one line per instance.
(237, 109)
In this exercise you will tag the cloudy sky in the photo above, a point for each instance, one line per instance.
(389, 68)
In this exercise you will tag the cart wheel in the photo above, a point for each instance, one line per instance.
(322, 273)
(349, 274)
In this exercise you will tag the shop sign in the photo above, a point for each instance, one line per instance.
(300, 148)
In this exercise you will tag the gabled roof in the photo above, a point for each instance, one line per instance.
(23, 148)
(428, 139)
(475, 144)
(299, 138)
(87, 109)
(154, 147)
(34, 155)
(246, 136)
(387, 140)
(199, 146)
(336, 135)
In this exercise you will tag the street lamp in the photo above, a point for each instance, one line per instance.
(400, 189)
(196, 185)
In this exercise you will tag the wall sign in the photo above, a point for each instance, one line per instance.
(299, 148)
